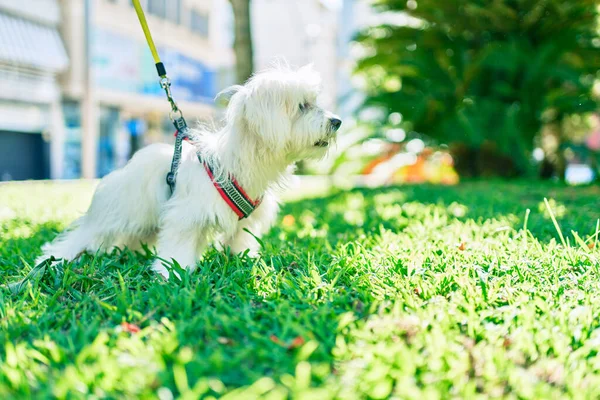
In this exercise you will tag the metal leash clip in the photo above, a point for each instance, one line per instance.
(175, 114)
(165, 83)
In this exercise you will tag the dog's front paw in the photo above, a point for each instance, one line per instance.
(159, 267)
(252, 253)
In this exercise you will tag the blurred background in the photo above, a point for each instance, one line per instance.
(429, 91)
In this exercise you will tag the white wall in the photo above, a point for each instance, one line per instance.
(302, 32)
(42, 11)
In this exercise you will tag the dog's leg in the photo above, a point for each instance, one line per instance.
(181, 245)
(125, 208)
(243, 240)
(257, 224)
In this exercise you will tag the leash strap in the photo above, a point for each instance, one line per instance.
(230, 190)
(181, 134)
(160, 68)
(175, 115)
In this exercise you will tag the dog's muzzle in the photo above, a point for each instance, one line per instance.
(333, 127)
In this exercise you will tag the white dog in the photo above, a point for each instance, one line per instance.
(271, 122)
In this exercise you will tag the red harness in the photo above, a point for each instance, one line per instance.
(232, 193)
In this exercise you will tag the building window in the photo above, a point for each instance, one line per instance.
(167, 9)
(158, 8)
(174, 11)
(199, 23)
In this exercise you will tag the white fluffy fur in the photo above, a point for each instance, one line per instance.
(266, 130)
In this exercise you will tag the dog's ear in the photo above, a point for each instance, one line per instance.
(268, 120)
(225, 95)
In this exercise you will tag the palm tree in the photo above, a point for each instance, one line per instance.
(483, 76)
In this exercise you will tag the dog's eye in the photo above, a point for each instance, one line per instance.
(304, 106)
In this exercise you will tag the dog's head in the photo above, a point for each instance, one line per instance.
(278, 109)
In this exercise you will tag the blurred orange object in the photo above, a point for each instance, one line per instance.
(368, 169)
(436, 168)
(288, 220)
(415, 173)
(429, 166)
(390, 152)
(131, 328)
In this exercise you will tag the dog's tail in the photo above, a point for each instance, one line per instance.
(68, 245)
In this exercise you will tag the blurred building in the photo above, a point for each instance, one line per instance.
(79, 87)
(354, 16)
(320, 32)
(313, 31)
(301, 32)
(32, 55)
(115, 84)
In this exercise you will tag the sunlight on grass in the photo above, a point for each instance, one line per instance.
(559, 210)
(44, 202)
(412, 291)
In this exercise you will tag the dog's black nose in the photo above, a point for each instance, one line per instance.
(335, 123)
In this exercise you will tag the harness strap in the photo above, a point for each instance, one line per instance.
(229, 189)
(232, 193)
(181, 134)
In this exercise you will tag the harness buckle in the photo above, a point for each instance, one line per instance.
(180, 124)
(171, 181)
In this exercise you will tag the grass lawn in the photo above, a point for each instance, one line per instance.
(407, 292)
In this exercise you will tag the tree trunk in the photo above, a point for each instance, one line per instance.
(554, 164)
(485, 160)
(242, 45)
